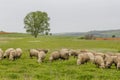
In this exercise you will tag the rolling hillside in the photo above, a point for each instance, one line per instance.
(104, 33)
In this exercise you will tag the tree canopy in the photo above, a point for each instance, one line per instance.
(37, 22)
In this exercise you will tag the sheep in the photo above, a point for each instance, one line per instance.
(7, 52)
(109, 60)
(34, 53)
(1, 54)
(82, 58)
(99, 61)
(41, 56)
(54, 56)
(117, 61)
(85, 56)
(60, 54)
(12, 55)
(19, 52)
(91, 56)
(64, 54)
(74, 53)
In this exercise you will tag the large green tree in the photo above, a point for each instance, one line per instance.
(36, 23)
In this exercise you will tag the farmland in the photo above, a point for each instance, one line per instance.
(28, 69)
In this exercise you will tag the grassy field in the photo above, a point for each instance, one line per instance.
(28, 69)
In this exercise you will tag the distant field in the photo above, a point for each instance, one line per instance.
(28, 69)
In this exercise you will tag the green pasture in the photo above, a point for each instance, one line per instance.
(28, 69)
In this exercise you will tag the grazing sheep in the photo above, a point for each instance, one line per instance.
(91, 56)
(34, 53)
(54, 56)
(7, 52)
(61, 54)
(99, 62)
(82, 58)
(19, 52)
(12, 55)
(109, 60)
(1, 54)
(74, 53)
(41, 56)
(117, 61)
(64, 54)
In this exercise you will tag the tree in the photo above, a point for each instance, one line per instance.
(36, 22)
(113, 36)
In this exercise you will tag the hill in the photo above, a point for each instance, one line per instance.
(102, 33)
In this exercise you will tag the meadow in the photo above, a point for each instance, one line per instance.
(28, 69)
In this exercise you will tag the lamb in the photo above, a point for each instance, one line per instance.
(19, 52)
(7, 52)
(1, 54)
(99, 62)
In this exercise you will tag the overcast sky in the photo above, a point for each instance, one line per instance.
(66, 15)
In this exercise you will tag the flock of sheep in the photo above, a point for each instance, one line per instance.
(11, 53)
(101, 60)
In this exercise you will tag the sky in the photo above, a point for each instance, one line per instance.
(65, 15)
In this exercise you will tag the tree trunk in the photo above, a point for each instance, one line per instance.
(35, 35)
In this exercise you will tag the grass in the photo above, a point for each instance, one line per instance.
(28, 69)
